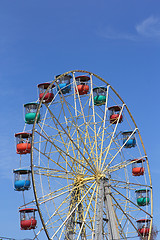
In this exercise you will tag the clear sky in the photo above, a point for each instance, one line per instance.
(117, 39)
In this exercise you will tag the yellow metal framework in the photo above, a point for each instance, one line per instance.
(74, 146)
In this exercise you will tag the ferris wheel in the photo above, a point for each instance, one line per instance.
(89, 167)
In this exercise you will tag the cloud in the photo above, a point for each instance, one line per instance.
(150, 27)
(110, 33)
(147, 29)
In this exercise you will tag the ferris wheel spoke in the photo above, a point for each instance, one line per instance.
(94, 121)
(73, 121)
(120, 149)
(57, 209)
(51, 128)
(131, 183)
(49, 158)
(98, 135)
(90, 138)
(123, 164)
(87, 135)
(72, 211)
(119, 166)
(37, 234)
(51, 169)
(69, 130)
(63, 171)
(56, 124)
(27, 204)
(128, 213)
(78, 113)
(131, 201)
(61, 112)
(88, 198)
(126, 119)
(82, 112)
(60, 151)
(47, 174)
(92, 215)
(115, 140)
(112, 137)
(75, 144)
(87, 211)
(42, 201)
(66, 146)
(59, 192)
(64, 143)
(127, 217)
(92, 208)
(104, 124)
(92, 147)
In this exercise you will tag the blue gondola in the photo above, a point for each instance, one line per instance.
(131, 142)
(64, 84)
(22, 180)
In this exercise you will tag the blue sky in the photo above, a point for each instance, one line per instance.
(118, 39)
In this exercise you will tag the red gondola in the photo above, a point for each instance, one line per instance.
(49, 95)
(82, 87)
(27, 218)
(143, 227)
(23, 142)
(115, 114)
(138, 167)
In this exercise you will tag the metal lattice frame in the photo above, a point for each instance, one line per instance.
(81, 172)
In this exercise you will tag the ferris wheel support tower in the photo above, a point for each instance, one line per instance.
(105, 198)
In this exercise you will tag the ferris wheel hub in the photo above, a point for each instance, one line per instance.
(79, 179)
(99, 176)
